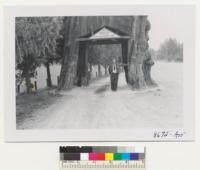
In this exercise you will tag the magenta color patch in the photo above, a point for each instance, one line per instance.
(92, 156)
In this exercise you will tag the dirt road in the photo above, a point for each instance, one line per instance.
(96, 106)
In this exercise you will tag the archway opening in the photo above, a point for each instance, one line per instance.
(104, 36)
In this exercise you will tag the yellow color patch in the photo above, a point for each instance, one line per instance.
(108, 156)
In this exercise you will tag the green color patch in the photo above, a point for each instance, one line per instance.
(117, 156)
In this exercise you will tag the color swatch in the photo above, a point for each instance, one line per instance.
(100, 153)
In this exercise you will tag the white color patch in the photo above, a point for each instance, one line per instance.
(84, 156)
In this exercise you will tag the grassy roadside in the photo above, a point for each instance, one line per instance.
(27, 104)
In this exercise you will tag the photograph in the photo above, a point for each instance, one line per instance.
(103, 72)
(96, 72)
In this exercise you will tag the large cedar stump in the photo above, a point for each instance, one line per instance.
(140, 58)
(138, 71)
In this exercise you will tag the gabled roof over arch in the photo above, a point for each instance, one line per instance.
(104, 33)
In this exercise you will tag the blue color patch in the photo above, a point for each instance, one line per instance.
(134, 156)
(126, 156)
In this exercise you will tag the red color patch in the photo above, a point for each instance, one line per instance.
(100, 156)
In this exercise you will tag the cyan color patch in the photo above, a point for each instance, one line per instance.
(126, 156)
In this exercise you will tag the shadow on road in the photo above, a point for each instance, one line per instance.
(107, 86)
(102, 88)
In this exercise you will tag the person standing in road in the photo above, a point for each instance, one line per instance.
(114, 73)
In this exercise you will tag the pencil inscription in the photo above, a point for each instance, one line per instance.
(168, 134)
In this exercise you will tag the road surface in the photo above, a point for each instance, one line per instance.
(96, 106)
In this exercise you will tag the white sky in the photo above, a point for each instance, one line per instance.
(170, 22)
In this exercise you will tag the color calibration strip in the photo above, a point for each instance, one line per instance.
(102, 157)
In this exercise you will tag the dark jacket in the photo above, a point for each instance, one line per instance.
(111, 68)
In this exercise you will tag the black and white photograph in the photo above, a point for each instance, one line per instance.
(96, 72)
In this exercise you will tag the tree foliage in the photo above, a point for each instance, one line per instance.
(36, 39)
(103, 54)
(170, 50)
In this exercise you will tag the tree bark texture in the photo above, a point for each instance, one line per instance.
(28, 83)
(99, 70)
(49, 82)
(139, 58)
(67, 74)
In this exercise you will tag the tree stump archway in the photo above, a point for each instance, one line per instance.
(103, 35)
(133, 40)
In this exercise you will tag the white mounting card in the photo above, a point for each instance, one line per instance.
(58, 69)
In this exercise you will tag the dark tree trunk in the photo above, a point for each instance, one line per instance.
(68, 73)
(49, 82)
(90, 67)
(124, 47)
(91, 71)
(28, 83)
(99, 70)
